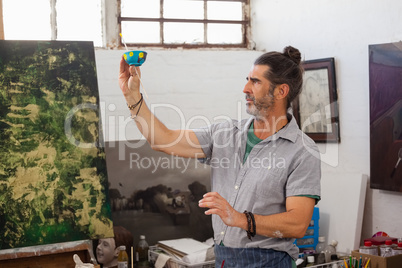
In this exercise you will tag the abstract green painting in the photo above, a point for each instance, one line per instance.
(53, 179)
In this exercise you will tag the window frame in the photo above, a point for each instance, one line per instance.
(111, 26)
(245, 22)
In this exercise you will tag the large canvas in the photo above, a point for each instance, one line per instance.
(155, 194)
(386, 116)
(53, 182)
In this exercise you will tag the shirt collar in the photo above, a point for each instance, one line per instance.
(289, 132)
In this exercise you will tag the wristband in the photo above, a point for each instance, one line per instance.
(132, 107)
(251, 227)
(139, 108)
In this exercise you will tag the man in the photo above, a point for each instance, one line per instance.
(265, 171)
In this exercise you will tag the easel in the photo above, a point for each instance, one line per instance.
(58, 255)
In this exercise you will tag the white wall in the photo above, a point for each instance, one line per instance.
(341, 29)
(200, 86)
(187, 88)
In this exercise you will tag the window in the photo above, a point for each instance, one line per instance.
(83, 23)
(53, 20)
(164, 23)
(21, 23)
(184, 23)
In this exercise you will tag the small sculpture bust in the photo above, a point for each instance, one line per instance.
(107, 250)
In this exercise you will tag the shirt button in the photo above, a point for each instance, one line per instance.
(236, 187)
(269, 167)
(222, 233)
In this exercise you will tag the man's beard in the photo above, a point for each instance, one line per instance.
(261, 106)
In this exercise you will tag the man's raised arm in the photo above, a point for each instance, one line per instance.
(182, 142)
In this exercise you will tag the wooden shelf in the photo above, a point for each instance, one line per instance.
(47, 256)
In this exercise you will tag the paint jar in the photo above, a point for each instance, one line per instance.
(310, 261)
(386, 250)
(397, 250)
(368, 248)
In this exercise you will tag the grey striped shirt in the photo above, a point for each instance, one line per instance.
(285, 164)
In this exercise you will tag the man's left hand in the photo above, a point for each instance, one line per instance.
(219, 206)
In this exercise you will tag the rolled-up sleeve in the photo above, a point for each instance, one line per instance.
(204, 136)
(305, 174)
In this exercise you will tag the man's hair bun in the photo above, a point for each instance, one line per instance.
(293, 54)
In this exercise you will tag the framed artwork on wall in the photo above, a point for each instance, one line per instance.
(385, 74)
(316, 108)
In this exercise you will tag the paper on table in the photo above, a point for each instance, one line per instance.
(196, 257)
(161, 261)
(184, 246)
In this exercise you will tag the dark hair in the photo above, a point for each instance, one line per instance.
(284, 68)
(123, 237)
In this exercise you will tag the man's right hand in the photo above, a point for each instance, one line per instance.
(129, 82)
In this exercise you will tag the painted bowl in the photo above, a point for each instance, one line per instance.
(135, 57)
